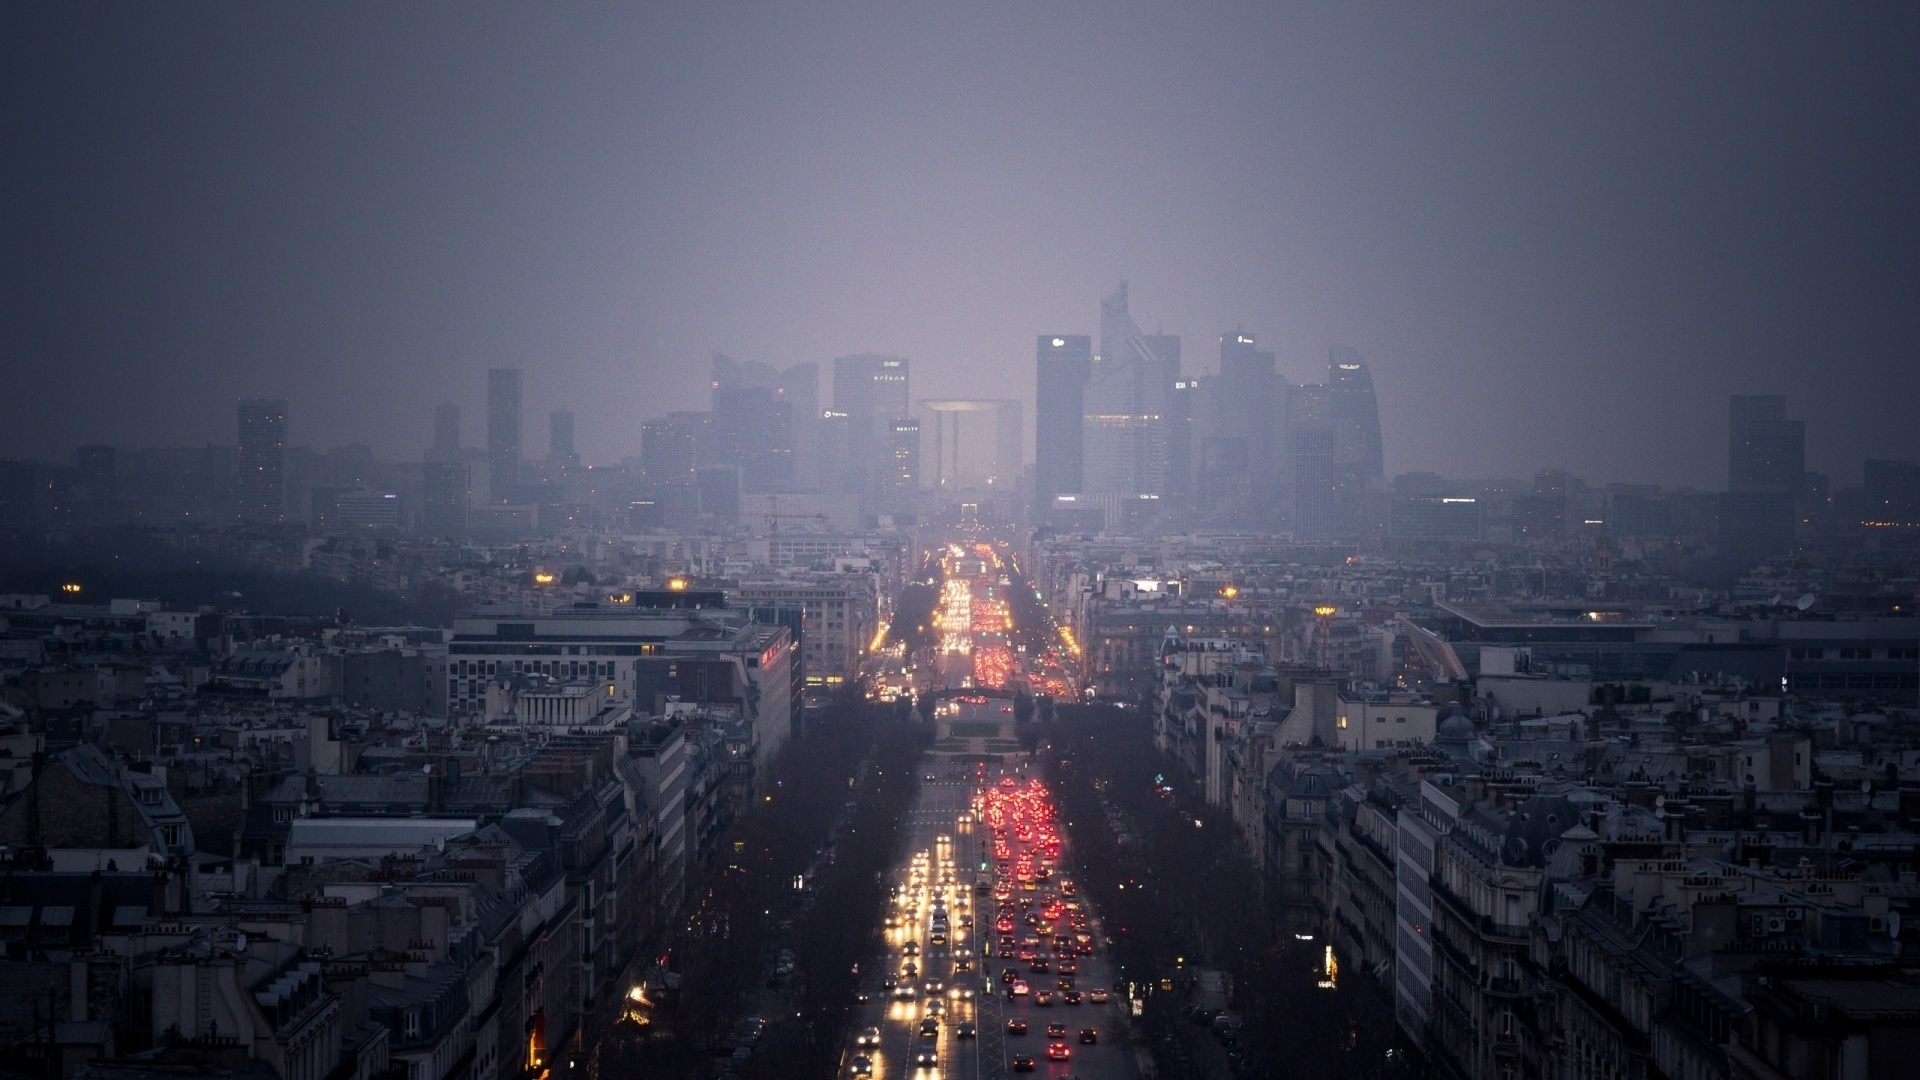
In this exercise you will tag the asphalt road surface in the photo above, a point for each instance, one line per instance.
(989, 1054)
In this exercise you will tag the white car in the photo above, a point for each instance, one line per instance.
(869, 1037)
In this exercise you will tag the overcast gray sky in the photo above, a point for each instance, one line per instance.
(1561, 234)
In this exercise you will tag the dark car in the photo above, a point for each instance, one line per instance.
(1056, 1031)
(1089, 1036)
(1016, 1025)
(1023, 1063)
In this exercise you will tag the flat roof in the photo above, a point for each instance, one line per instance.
(1567, 613)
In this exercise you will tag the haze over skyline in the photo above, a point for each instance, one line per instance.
(1560, 237)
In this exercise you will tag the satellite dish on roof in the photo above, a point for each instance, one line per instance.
(1805, 601)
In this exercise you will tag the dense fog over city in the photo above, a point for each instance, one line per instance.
(1558, 233)
(912, 541)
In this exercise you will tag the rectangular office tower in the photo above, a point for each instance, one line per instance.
(1244, 419)
(1765, 450)
(260, 482)
(446, 433)
(560, 451)
(871, 392)
(903, 479)
(443, 512)
(1766, 467)
(503, 434)
(1062, 363)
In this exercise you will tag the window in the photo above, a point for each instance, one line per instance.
(170, 835)
(282, 814)
(410, 1023)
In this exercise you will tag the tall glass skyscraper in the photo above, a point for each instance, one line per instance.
(1062, 364)
(1765, 450)
(871, 392)
(503, 434)
(1246, 412)
(446, 433)
(560, 451)
(1311, 461)
(260, 480)
(1355, 415)
(1124, 435)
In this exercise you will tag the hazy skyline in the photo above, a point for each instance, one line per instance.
(1561, 236)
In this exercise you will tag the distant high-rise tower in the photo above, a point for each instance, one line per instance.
(753, 424)
(799, 387)
(1766, 471)
(444, 508)
(1355, 415)
(903, 437)
(1062, 363)
(871, 386)
(872, 392)
(669, 454)
(1246, 412)
(1765, 450)
(1312, 458)
(560, 451)
(667, 450)
(446, 433)
(1123, 414)
(503, 434)
(260, 484)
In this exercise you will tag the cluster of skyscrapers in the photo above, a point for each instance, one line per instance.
(1128, 437)
(1124, 435)
(768, 432)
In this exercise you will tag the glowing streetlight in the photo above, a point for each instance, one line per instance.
(677, 584)
(543, 578)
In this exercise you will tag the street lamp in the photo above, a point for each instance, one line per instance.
(1326, 612)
